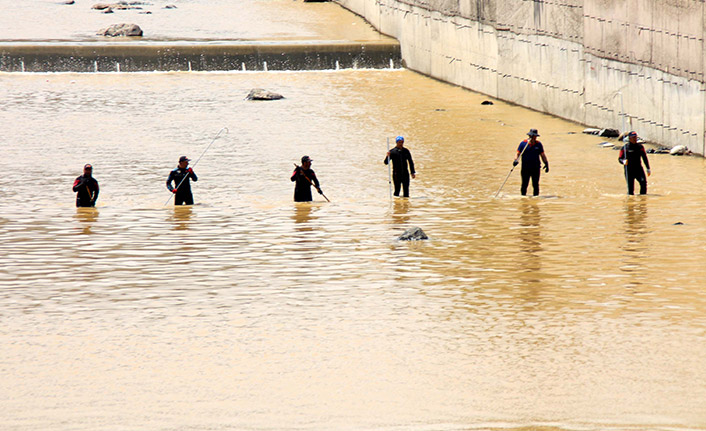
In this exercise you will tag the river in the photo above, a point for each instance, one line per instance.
(583, 309)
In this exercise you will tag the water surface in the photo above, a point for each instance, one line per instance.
(581, 309)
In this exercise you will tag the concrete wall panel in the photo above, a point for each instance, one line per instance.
(571, 58)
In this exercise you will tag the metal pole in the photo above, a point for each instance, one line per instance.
(196, 162)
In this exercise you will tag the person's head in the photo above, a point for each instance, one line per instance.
(533, 135)
(632, 137)
(306, 162)
(184, 162)
(399, 141)
(87, 170)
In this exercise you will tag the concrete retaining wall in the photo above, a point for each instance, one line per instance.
(577, 59)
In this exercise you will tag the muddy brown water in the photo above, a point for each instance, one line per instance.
(581, 309)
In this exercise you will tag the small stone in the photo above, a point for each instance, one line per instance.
(486, 102)
(413, 234)
(678, 223)
(170, 6)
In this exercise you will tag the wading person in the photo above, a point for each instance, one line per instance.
(531, 151)
(304, 177)
(86, 188)
(631, 156)
(400, 157)
(181, 176)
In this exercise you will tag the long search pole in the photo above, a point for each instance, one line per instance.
(389, 169)
(513, 168)
(196, 162)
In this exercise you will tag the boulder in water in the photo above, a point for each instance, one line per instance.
(413, 234)
(100, 6)
(609, 133)
(486, 102)
(170, 6)
(262, 94)
(679, 150)
(121, 30)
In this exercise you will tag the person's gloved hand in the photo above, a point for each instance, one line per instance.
(174, 191)
(515, 162)
(546, 168)
(191, 171)
(649, 172)
(320, 191)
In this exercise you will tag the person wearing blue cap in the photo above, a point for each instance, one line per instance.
(531, 151)
(400, 157)
(631, 157)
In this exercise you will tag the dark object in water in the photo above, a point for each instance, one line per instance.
(262, 94)
(121, 30)
(486, 102)
(413, 234)
(678, 223)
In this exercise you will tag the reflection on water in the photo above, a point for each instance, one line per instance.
(400, 215)
(86, 217)
(181, 216)
(250, 311)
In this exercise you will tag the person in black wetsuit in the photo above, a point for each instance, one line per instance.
(530, 162)
(182, 193)
(400, 156)
(86, 188)
(304, 177)
(631, 156)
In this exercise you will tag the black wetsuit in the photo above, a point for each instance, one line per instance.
(634, 154)
(530, 166)
(302, 188)
(400, 175)
(86, 189)
(183, 195)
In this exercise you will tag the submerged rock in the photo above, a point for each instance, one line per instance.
(121, 30)
(170, 6)
(262, 94)
(679, 150)
(609, 133)
(413, 234)
(486, 102)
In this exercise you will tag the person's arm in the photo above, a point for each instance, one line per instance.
(315, 180)
(622, 156)
(295, 173)
(170, 178)
(78, 183)
(411, 164)
(647, 162)
(95, 194)
(192, 175)
(546, 162)
(519, 152)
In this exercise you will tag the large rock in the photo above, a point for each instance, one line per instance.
(679, 150)
(262, 94)
(413, 234)
(121, 30)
